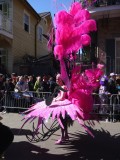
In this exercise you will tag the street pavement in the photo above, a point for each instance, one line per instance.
(81, 146)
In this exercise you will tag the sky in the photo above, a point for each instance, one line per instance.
(52, 6)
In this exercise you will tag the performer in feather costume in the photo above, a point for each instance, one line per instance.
(76, 87)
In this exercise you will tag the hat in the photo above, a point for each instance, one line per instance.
(112, 74)
(14, 74)
(1, 74)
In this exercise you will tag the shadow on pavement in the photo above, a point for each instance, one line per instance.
(103, 147)
(24, 151)
(19, 132)
(81, 146)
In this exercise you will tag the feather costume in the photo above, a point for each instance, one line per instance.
(72, 32)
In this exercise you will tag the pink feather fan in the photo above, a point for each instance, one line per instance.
(71, 27)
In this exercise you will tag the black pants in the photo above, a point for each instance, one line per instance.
(6, 137)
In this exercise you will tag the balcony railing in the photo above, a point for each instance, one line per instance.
(5, 23)
(99, 3)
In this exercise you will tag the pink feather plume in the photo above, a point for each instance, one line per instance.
(72, 28)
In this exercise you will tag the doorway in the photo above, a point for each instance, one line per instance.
(117, 55)
(3, 60)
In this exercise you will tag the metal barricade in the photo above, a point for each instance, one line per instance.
(115, 102)
(22, 100)
(102, 106)
(106, 107)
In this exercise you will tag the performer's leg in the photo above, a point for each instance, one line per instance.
(61, 138)
(6, 138)
(65, 124)
(64, 132)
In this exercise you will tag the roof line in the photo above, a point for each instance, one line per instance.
(32, 9)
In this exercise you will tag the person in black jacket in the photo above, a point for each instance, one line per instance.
(112, 88)
(31, 83)
(1, 85)
(9, 86)
(45, 84)
(52, 84)
(6, 138)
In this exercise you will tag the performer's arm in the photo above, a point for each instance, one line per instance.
(61, 96)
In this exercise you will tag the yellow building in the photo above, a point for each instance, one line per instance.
(21, 35)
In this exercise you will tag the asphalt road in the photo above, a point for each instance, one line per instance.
(81, 146)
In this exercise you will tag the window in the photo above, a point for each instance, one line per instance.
(40, 32)
(117, 55)
(4, 7)
(26, 22)
(3, 57)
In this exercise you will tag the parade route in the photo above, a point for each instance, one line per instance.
(105, 145)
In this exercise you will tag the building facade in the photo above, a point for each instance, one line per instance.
(21, 29)
(106, 41)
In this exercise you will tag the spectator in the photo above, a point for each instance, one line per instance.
(45, 84)
(103, 85)
(1, 81)
(103, 94)
(26, 78)
(37, 86)
(31, 83)
(14, 78)
(112, 84)
(21, 85)
(118, 84)
(52, 84)
(9, 86)
(1, 85)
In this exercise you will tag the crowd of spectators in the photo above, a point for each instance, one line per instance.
(28, 90)
(26, 83)
(108, 94)
(108, 84)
